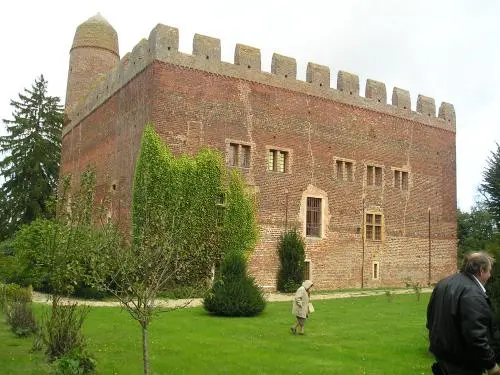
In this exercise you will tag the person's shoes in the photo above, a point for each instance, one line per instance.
(293, 330)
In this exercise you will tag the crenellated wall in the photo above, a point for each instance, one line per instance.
(163, 45)
(332, 139)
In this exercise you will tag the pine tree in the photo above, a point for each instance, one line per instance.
(490, 188)
(32, 149)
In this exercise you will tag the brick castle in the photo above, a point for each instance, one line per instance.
(370, 185)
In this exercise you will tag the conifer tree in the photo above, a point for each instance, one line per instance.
(31, 150)
(490, 188)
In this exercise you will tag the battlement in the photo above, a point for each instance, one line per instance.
(163, 45)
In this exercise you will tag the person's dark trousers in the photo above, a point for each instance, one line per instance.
(447, 368)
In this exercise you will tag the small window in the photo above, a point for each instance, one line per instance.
(376, 271)
(313, 219)
(307, 269)
(344, 170)
(373, 227)
(349, 170)
(245, 156)
(404, 180)
(277, 160)
(233, 154)
(401, 179)
(373, 175)
(340, 169)
(239, 155)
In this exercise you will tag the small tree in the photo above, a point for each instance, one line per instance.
(292, 256)
(58, 254)
(234, 293)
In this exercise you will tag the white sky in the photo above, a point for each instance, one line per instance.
(448, 50)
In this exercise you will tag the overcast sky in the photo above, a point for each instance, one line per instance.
(448, 50)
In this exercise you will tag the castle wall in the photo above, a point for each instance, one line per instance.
(196, 100)
(191, 108)
(108, 141)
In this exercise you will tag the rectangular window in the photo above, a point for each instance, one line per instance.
(270, 160)
(404, 180)
(245, 157)
(313, 219)
(401, 179)
(233, 154)
(349, 170)
(397, 179)
(307, 269)
(344, 170)
(373, 175)
(239, 155)
(281, 161)
(277, 161)
(340, 170)
(376, 271)
(373, 227)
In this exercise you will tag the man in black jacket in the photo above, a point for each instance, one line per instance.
(459, 320)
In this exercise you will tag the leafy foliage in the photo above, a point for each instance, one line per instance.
(21, 318)
(31, 165)
(292, 256)
(15, 301)
(235, 293)
(75, 363)
(61, 329)
(475, 229)
(490, 188)
(60, 255)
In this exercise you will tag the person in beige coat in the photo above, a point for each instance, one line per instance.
(300, 307)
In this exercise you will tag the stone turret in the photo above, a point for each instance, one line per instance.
(93, 54)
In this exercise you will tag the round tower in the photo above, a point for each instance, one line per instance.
(93, 54)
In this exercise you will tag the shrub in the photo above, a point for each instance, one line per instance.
(14, 293)
(61, 331)
(20, 317)
(292, 256)
(235, 293)
(75, 363)
(15, 301)
(7, 262)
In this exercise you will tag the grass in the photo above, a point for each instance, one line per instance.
(368, 335)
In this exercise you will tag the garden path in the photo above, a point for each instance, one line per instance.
(270, 297)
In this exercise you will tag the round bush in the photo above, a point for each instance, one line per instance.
(235, 293)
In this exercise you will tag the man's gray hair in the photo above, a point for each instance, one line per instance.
(475, 262)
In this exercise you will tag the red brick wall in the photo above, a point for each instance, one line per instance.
(190, 108)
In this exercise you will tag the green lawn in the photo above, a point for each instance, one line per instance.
(368, 335)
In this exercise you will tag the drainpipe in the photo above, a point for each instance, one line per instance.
(363, 236)
(429, 221)
(286, 210)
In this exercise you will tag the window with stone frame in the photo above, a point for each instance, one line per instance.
(373, 175)
(401, 178)
(373, 226)
(313, 217)
(344, 169)
(239, 155)
(278, 160)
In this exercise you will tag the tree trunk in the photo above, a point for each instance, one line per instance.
(145, 348)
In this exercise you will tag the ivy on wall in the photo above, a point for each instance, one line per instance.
(196, 202)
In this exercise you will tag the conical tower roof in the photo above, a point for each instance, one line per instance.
(96, 32)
